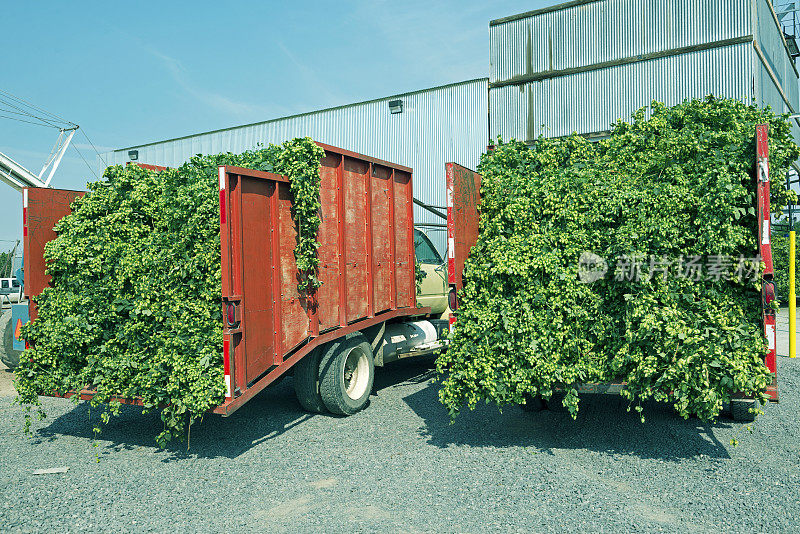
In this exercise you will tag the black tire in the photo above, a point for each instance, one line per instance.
(556, 402)
(740, 410)
(533, 404)
(8, 355)
(306, 382)
(346, 374)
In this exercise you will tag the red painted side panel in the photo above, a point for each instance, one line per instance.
(404, 240)
(381, 253)
(42, 209)
(258, 291)
(328, 237)
(356, 253)
(295, 320)
(463, 197)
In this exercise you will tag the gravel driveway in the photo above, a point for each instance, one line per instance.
(400, 466)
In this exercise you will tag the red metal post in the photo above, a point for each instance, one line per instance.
(451, 241)
(225, 256)
(239, 356)
(224, 237)
(765, 250)
(277, 295)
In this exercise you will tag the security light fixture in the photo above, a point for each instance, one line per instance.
(395, 106)
(133, 155)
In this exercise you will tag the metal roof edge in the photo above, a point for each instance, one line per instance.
(542, 11)
(409, 93)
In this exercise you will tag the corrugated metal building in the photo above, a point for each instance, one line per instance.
(579, 66)
(573, 67)
(447, 123)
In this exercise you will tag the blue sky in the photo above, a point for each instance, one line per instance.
(133, 72)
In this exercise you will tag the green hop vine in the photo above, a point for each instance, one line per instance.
(300, 160)
(134, 308)
(672, 183)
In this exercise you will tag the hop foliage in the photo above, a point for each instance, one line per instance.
(672, 184)
(780, 260)
(134, 308)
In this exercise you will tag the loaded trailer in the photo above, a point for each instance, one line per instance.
(365, 314)
(463, 201)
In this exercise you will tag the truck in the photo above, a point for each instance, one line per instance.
(366, 314)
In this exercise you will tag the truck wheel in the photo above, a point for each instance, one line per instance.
(306, 382)
(347, 371)
(533, 404)
(8, 355)
(740, 410)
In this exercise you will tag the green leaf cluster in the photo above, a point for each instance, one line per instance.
(780, 260)
(134, 309)
(673, 182)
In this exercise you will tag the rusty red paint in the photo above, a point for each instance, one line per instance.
(370, 246)
(380, 238)
(355, 252)
(148, 167)
(341, 253)
(276, 324)
(463, 198)
(392, 246)
(45, 208)
(404, 241)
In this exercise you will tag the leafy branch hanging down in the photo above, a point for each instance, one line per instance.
(134, 307)
(675, 185)
(300, 160)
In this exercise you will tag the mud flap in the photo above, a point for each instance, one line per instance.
(19, 317)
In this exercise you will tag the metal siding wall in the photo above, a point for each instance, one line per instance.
(770, 40)
(613, 29)
(590, 101)
(771, 44)
(436, 126)
(768, 94)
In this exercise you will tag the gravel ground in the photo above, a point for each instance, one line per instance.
(400, 466)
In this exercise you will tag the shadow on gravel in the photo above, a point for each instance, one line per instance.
(603, 425)
(270, 414)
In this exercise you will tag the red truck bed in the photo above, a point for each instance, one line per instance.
(366, 258)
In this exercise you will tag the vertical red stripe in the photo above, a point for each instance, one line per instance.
(222, 206)
(226, 356)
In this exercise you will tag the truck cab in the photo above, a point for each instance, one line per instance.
(432, 292)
